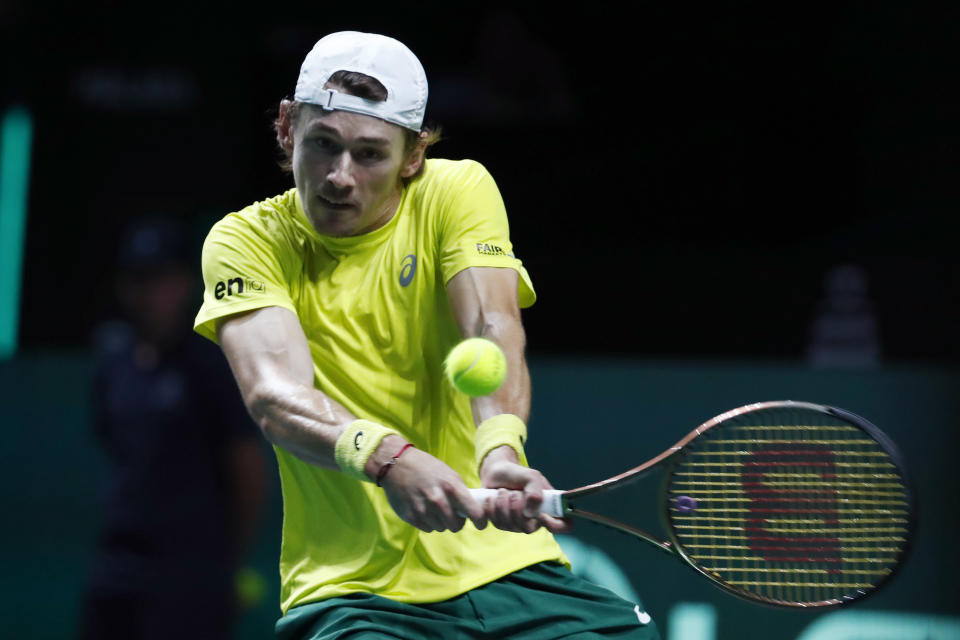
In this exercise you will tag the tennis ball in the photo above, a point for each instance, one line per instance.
(476, 366)
(251, 587)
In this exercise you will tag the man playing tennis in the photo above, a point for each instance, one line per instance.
(335, 304)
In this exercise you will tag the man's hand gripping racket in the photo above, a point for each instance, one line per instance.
(784, 503)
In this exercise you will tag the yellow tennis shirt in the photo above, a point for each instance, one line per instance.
(375, 312)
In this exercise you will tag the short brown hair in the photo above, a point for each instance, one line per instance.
(369, 88)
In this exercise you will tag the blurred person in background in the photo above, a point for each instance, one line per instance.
(186, 480)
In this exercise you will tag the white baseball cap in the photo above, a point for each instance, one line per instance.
(381, 57)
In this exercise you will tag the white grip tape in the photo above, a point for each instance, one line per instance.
(552, 502)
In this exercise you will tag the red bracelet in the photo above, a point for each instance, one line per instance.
(389, 463)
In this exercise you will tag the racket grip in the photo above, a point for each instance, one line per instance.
(552, 502)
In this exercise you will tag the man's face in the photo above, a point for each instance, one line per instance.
(347, 168)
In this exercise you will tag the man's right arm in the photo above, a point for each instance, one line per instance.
(270, 359)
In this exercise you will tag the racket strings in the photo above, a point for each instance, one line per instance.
(792, 506)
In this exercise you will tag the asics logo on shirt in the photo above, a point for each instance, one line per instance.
(407, 268)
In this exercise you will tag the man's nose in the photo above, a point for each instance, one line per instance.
(340, 173)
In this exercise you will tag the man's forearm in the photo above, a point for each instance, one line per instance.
(307, 423)
(301, 420)
(513, 396)
(271, 362)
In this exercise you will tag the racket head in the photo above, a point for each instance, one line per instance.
(790, 504)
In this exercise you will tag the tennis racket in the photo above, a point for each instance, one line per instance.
(785, 503)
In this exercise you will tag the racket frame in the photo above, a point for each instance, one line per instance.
(671, 457)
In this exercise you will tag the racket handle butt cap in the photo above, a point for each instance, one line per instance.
(552, 502)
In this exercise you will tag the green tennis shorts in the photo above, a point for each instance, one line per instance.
(542, 602)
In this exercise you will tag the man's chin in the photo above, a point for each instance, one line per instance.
(334, 223)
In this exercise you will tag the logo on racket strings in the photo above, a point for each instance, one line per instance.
(792, 517)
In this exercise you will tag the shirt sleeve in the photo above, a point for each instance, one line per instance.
(474, 231)
(242, 270)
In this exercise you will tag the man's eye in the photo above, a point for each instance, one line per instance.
(323, 143)
(370, 154)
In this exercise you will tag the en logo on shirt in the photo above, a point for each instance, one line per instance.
(237, 286)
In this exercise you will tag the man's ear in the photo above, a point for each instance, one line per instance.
(414, 158)
(285, 127)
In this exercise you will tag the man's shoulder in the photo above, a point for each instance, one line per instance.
(441, 172)
(273, 219)
(278, 210)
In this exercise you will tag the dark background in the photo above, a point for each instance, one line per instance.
(678, 178)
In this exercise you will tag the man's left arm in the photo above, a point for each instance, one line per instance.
(485, 305)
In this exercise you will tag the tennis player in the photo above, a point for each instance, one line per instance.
(335, 303)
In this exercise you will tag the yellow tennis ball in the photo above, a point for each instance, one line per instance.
(476, 366)
(250, 586)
